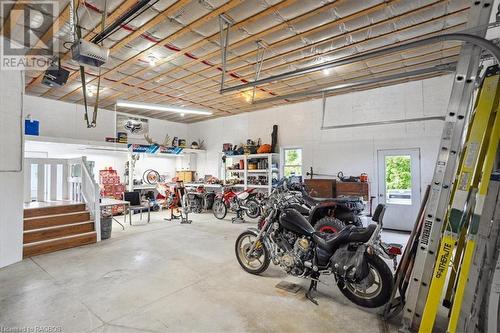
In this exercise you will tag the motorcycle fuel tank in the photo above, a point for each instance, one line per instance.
(292, 220)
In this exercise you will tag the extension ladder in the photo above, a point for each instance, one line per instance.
(451, 139)
(468, 200)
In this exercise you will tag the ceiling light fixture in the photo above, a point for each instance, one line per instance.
(327, 71)
(159, 107)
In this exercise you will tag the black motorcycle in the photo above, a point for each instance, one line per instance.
(352, 254)
(325, 215)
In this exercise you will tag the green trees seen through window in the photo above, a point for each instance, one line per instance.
(293, 162)
(398, 172)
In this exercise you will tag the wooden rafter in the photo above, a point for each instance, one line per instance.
(251, 54)
(136, 34)
(249, 39)
(211, 39)
(222, 98)
(113, 16)
(376, 69)
(172, 9)
(199, 86)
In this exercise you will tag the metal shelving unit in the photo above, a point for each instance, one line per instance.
(244, 174)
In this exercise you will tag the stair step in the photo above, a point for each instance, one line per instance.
(47, 246)
(37, 235)
(53, 210)
(45, 221)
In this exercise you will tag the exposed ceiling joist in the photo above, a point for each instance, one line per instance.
(299, 33)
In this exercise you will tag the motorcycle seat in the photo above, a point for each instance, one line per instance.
(362, 234)
(329, 242)
(243, 195)
(314, 201)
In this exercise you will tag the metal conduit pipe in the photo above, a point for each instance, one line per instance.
(358, 83)
(472, 39)
(384, 122)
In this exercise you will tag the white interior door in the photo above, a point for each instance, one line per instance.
(399, 186)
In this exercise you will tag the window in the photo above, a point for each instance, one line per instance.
(398, 179)
(292, 165)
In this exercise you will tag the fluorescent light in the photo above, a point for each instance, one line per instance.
(327, 71)
(159, 107)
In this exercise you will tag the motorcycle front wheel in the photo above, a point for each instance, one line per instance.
(253, 263)
(374, 290)
(219, 209)
(253, 208)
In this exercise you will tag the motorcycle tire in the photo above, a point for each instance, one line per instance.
(238, 251)
(329, 224)
(219, 209)
(386, 285)
(253, 210)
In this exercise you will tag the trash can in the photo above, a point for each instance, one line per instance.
(106, 225)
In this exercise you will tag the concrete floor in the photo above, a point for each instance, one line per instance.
(164, 276)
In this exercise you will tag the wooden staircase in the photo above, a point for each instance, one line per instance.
(54, 228)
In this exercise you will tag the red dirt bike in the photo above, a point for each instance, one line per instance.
(236, 201)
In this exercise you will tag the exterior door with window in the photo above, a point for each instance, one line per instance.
(399, 186)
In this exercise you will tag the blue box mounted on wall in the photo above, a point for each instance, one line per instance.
(31, 127)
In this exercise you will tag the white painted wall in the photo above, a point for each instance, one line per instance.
(352, 150)
(103, 159)
(65, 120)
(11, 183)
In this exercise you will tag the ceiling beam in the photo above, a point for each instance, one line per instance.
(384, 36)
(245, 40)
(166, 40)
(113, 16)
(375, 69)
(161, 17)
(327, 40)
(326, 26)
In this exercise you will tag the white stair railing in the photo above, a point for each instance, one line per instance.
(91, 195)
(63, 179)
(50, 176)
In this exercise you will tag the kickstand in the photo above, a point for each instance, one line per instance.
(238, 218)
(312, 288)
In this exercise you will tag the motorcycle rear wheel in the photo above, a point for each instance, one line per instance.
(219, 209)
(258, 261)
(380, 276)
(253, 208)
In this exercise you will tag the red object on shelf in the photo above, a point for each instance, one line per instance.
(363, 177)
(111, 187)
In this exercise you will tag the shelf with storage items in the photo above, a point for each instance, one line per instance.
(251, 171)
